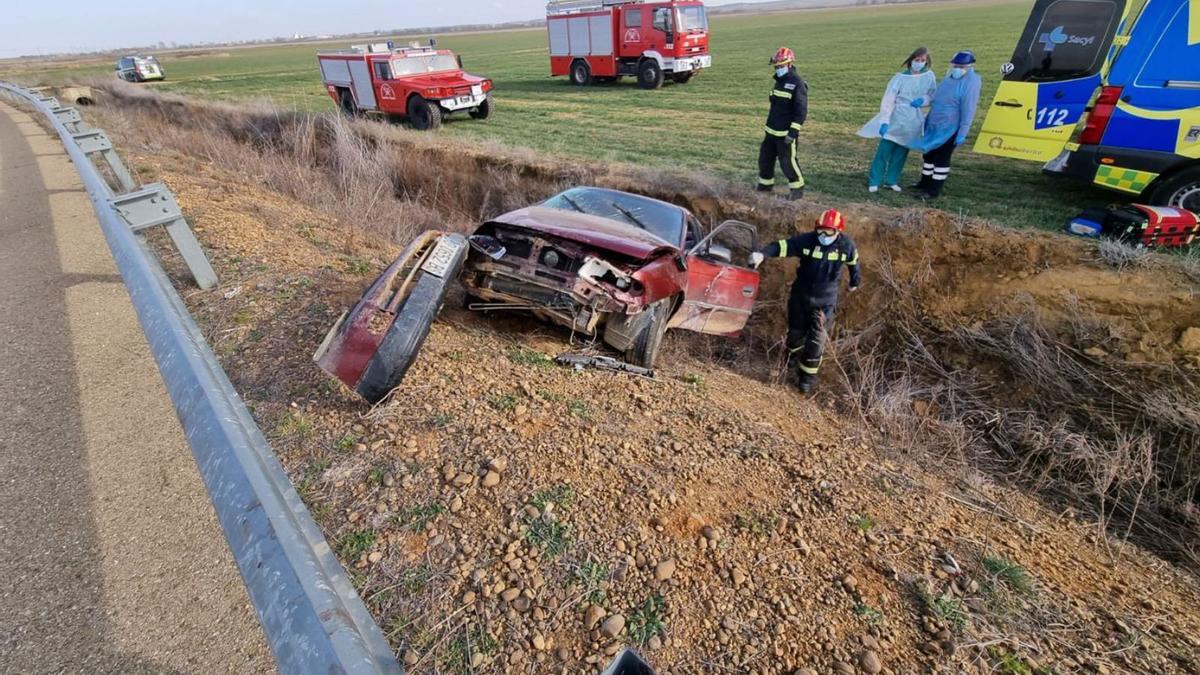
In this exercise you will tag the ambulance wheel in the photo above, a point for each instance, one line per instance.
(682, 78)
(424, 114)
(650, 75)
(1182, 190)
(581, 73)
(484, 110)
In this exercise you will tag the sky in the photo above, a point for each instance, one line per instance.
(58, 26)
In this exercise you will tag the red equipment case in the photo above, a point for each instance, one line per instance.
(1154, 226)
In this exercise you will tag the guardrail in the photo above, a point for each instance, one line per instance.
(313, 619)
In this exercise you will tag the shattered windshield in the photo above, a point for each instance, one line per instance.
(658, 218)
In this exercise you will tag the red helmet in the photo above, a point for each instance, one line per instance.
(783, 57)
(831, 220)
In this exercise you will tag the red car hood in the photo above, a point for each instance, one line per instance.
(601, 233)
(446, 78)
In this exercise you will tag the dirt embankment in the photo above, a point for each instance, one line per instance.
(506, 515)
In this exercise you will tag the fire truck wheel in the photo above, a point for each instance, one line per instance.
(346, 103)
(581, 73)
(484, 110)
(682, 78)
(1181, 190)
(650, 75)
(424, 114)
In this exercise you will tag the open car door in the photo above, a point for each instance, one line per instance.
(1055, 71)
(721, 287)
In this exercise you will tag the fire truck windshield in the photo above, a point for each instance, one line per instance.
(416, 65)
(692, 18)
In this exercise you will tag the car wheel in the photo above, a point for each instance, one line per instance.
(644, 351)
(682, 78)
(1181, 190)
(346, 104)
(581, 73)
(484, 110)
(650, 75)
(424, 114)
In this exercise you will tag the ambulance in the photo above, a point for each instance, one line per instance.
(1108, 92)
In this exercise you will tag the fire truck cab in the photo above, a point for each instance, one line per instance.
(606, 39)
(421, 83)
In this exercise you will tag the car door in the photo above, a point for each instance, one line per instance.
(385, 89)
(1055, 71)
(720, 287)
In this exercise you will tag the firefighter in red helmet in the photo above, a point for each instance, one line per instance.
(789, 108)
(823, 253)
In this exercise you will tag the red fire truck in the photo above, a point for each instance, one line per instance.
(605, 39)
(421, 83)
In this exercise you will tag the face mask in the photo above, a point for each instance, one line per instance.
(918, 66)
(958, 73)
(781, 71)
(826, 239)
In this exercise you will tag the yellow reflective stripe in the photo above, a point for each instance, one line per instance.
(855, 260)
(766, 181)
(771, 131)
(793, 350)
(810, 371)
(796, 185)
(796, 126)
(796, 168)
(781, 94)
(807, 251)
(783, 248)
(818, 254)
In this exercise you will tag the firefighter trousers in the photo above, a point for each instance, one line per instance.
(777, 149)
(809, 324)
(936, 168)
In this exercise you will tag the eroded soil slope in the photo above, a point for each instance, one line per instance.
(503, 514)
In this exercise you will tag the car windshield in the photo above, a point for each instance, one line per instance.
(658, 218)
(416, 65)
(692, 18)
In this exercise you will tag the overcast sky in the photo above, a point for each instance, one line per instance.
(55, 26)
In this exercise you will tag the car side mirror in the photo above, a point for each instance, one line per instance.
(460, 64)
(681, 262)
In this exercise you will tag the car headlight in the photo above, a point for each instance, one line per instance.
(550, 258)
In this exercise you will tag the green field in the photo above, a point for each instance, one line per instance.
(714, 123)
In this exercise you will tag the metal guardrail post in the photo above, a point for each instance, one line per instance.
(96, 142)
(311, 615)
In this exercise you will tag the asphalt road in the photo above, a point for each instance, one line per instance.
(111, 559)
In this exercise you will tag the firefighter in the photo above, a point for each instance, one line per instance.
(789, 108)
(954, 104)
(823, 253)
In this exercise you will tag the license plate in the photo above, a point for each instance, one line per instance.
(466, 99)
(439, 259)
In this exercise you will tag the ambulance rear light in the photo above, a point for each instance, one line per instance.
(1102, 112)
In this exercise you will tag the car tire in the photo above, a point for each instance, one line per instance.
(425, 115)
(682, 78)
(346, 103)
(1181, 190)
(484, 110)
(650, 74)
(581, 73)
(407, 333)
(644, 350)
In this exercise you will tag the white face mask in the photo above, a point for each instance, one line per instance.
(918, 66)
(826, 239)
(781, 71)
(958, 73)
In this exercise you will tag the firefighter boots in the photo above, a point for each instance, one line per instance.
(797, 194)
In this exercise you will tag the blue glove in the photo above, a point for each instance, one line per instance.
(883, 129)
(917, 102)
(962, 138)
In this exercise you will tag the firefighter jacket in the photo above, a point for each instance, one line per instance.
(789, 105)
(820, 266)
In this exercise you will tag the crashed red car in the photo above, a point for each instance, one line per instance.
(615, 265)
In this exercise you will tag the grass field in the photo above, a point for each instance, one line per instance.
(714, 123)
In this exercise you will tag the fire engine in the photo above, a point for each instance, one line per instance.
(606, 39)
(421, 83)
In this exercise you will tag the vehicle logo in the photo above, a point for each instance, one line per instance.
(996, 143)
(1193, 135)
(633, 35)
(1008, 68)
(386, 92)
(1059, 36)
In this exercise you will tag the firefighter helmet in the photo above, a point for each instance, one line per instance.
(783, 57)
(831, 219)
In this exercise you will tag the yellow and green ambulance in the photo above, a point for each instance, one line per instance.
(1106, 91)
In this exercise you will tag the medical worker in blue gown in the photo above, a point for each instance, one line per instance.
(949, 122)
(901, 120)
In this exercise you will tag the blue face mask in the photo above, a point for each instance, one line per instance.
(958, 73)
(781, 71)
(826, 239)
(918, 66)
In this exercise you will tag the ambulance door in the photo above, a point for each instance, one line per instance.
(1055, 71)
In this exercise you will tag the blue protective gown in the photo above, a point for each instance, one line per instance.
(906, 124)
(953, 112)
